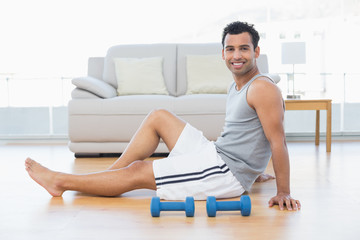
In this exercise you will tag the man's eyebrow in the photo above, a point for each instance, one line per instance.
(244, 45)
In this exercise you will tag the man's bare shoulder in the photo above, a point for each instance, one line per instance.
(263, 85)
(263, 81)
(263, 91)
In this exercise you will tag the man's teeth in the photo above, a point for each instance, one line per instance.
(237, 64)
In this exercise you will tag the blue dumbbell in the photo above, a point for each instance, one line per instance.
(244, 205)
(156, 206)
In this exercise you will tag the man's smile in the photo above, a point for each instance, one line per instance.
(237, 64)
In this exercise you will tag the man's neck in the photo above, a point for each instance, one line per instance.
(241, 80)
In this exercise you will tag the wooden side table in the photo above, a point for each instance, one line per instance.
(318, 104)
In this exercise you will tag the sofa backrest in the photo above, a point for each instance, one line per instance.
(96, 67)
(167, 51)
(174, 65)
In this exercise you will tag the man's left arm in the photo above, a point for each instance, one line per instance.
(266, 99)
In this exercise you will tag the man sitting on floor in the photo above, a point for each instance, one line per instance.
(197, 167)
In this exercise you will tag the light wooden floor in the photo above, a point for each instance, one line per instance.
(328, 186)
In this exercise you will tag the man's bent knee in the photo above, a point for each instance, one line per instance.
(158, 114)
(143, 174)
(161, 117)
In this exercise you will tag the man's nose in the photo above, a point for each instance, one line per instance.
(237, 54)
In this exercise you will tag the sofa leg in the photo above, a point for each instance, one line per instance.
(160, 155)
(87, 155)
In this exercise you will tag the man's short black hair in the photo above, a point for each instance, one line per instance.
(241, 27)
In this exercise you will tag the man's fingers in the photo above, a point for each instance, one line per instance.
(271, 202)
(295, 204)
(281, 204)
(288, 204)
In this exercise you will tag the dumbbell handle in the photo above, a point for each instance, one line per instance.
(228, 206)
(172, 206)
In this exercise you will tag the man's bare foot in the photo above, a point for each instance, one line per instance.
(264, 177)
(43, 176)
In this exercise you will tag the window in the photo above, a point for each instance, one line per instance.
(46, 43)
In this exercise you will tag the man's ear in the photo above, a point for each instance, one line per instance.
(223, 56)
(257, 52)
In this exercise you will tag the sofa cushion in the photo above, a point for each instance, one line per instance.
(186, 49)
(167, 51)
(207, 74)
(140, 76)
(200, 104)
(121, 105)
(195, 104)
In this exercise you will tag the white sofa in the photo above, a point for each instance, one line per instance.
(101, 121)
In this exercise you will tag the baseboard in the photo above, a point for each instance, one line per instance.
(305, 137)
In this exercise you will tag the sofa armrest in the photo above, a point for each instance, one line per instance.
(79, 93)
(275, 77)
(95, 86)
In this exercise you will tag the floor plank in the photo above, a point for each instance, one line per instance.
(326, 183)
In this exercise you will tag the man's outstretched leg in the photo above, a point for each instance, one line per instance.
(127, 173)
(107, 183)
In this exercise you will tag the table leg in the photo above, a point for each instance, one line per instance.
(317, 128)
(328, 128)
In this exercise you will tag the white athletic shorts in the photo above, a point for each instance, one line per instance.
(194, 168)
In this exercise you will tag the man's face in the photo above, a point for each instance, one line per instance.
(239, 54)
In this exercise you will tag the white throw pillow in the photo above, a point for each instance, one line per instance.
(207, 74)
(140, 76)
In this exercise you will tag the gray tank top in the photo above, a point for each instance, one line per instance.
(242, 144)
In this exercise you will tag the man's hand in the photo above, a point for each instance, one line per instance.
(284, 199)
